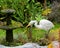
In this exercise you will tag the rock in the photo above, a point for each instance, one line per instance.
(1, 46)
(27, 45)
(55, 44)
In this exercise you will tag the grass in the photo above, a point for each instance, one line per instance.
(2, 33)
(35, 31)
(21, 32)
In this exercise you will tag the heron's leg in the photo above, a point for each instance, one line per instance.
(47, 34)
(29, 33)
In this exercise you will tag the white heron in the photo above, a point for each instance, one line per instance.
(43, 24)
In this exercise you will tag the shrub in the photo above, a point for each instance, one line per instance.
(25, 10)
(55, 14)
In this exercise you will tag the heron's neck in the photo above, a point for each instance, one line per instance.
(37, 25)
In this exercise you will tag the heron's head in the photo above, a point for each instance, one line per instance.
(31, 23)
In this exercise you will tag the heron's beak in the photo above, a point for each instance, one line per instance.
(28, 25)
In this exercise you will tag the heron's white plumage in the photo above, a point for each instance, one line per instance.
(46, 24)
(43, 24)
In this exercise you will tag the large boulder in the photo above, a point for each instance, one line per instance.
(27, 45)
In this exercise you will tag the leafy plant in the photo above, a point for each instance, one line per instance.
(25, 10)
(46, 11)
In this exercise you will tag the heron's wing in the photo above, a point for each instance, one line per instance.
(46, 24)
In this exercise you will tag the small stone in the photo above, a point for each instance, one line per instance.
(8, 11)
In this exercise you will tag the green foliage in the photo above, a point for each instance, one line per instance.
(39, 17)
(20, 33)
(25, 10)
